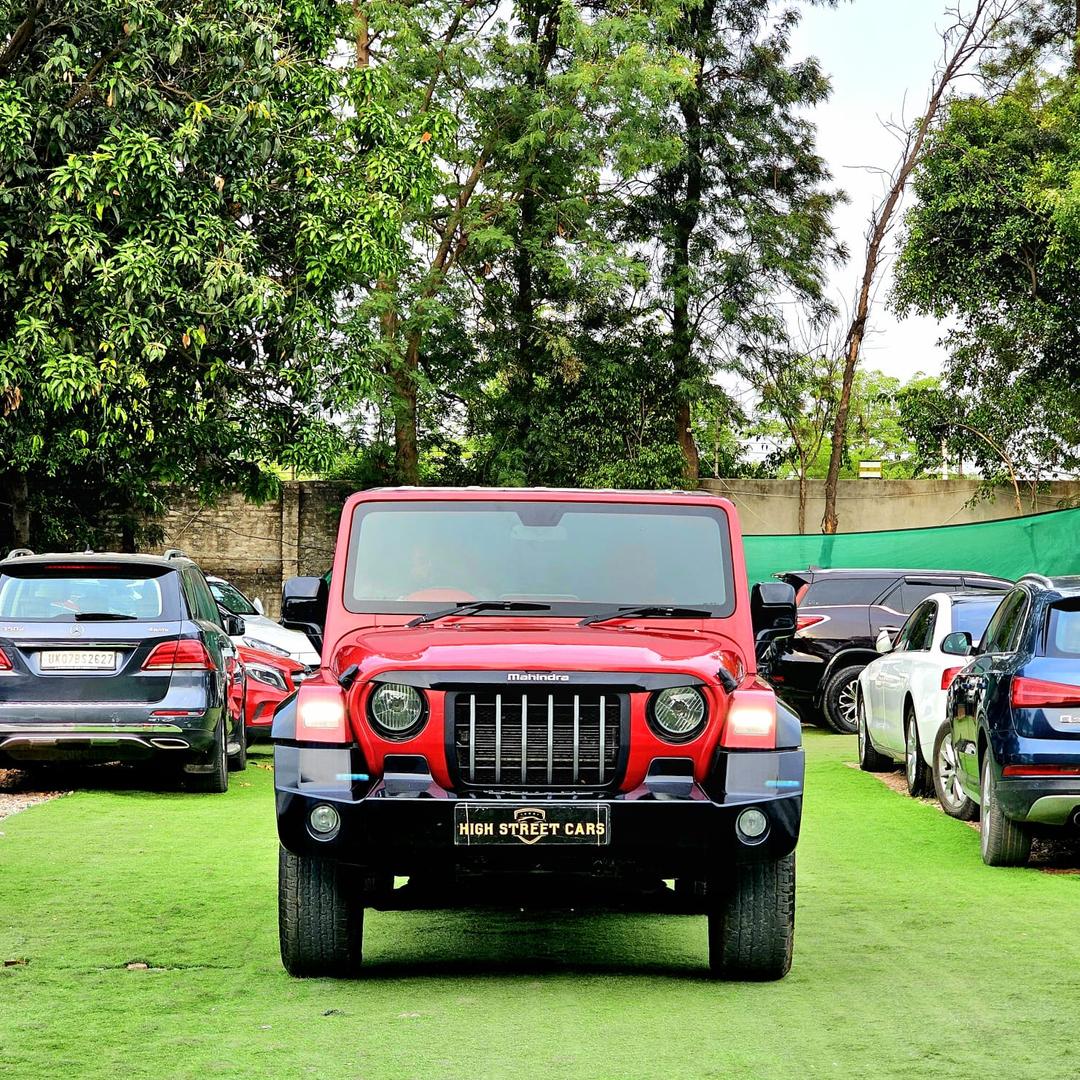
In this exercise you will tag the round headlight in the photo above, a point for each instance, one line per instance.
(679, 712)
(395, 708)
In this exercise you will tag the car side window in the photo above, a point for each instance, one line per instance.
(912, 593)
(205, 598)
(918, 631)
(1004, 627)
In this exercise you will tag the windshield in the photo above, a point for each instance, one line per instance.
(231, 598)
(576, 557)
(59, 595)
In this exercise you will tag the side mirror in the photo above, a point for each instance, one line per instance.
(303, 606)
(233, 625)
(958, 643)
(772, 610)
(257, 604)
(886, 639)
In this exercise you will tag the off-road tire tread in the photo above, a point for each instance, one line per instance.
(752, 925)
(1008, 843)
(320, 917)
(832, 689)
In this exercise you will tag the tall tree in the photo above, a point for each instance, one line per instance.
(186, 193)
(735, 210)
(965, 44)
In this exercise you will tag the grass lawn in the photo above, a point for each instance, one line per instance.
(912, 959)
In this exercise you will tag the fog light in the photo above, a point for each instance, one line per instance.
(752, 824)
(324, 820)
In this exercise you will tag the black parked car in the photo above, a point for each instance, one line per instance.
(841, 614)
(118, 658)
(1011, 743)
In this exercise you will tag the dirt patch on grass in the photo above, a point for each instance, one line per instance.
(18, 790)
(1052, 856)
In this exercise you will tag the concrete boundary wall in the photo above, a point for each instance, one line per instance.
(259, 546)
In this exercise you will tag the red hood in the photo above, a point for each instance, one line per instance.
(535, 644)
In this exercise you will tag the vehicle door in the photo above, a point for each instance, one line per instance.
(980, 680)
(918, 633)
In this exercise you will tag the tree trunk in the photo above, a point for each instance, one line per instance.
(802, 499)
(682, 333)
(20, 510)
(971, 34)
(406, 448)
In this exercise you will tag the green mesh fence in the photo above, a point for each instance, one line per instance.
(1041, 543)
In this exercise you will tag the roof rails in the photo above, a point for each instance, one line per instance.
(1039, 579)
(174, 553)
(19, 553)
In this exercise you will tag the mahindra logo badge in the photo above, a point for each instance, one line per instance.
(536, 676)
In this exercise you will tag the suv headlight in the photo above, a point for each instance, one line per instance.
(395, 709)
(678, 713)
(268, 675)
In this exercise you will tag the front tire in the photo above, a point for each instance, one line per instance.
(320, 917)
(752, 922)
(869, 759)
(947, 786)
(839, 700)
(915, 771)
(1003, 841)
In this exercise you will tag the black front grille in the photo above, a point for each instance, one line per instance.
(569, 737)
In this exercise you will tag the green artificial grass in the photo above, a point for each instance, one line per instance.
(912, 959)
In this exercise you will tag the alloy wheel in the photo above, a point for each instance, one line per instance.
(948, 773)
(911, 753)
(987, 800)
(846, 704)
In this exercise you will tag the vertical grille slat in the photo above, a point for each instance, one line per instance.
(543, 738)
(472, 738)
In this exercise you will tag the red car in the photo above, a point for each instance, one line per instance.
(270, 680)
(537, 686)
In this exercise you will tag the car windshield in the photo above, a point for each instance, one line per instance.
(579, 558)
(63, 596)
(231, 598)
(975, 617)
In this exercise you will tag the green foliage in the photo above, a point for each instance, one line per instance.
(992, 244)
(185, 195)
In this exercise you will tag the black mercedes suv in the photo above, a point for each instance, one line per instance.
(841, 614)
(107, 657)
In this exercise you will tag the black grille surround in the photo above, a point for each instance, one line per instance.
(563, 744)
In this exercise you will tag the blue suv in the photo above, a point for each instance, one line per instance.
(1013, 720)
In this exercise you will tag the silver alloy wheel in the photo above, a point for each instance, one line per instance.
(861, 725)
(986, 798)
(911, 752)
(949, 774)
(846, 704)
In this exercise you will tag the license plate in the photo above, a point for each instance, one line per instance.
(512, 824)
(78, 660)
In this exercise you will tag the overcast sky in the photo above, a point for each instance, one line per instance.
(875, 52)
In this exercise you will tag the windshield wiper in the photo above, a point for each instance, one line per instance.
(647, 611)
(469, 607)
(101, 616)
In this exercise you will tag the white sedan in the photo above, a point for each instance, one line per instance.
(900, 700)
(260, 632)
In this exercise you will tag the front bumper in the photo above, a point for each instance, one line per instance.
(404, 824)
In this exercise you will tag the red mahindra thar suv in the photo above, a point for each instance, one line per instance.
(538, 686)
